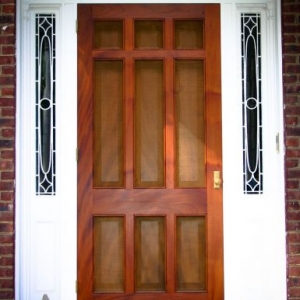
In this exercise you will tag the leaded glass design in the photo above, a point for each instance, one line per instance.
(45, 103)
(252, 105)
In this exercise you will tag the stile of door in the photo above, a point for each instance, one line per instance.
(149, 141)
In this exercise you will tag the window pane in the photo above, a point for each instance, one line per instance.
(252, 105)
(45, 104)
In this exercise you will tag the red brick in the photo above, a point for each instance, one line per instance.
(292, 69)
(6, 186)
(291, 100)
(290, 78)
(6, 164)
(294, 260)
(290, 58)
(4, 101)
(293, 216)
(7, 40)
(289, 19)
(6, 249)
(293, 205)
(5, 1)
(7, 122)
(6, 294)
(293, 89)
(5, 272)
(293, 248)
(291, 163)
(6, 227)
(7, 154)
(7, 216)
(8, 133)
(7, 60)
(293, 174)
(8, 91)
(292, 110)
(294, 292)
(8, 112)
(292, 8)
(6, 196)
(294, 270)
(292, 153)
(6, 239)
(7, 260)
(292, 142)
(8, 70)
(6, 283)
(293, 195)
(293, 226)
(8, 8)
(5, 80)
(7, 175)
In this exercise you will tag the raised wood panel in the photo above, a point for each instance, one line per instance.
(150, 245)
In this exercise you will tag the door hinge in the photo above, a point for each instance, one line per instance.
(77, 155)
(76, 26)
(277, 142)
(76, 286)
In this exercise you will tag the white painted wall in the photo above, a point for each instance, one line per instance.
(254, 226)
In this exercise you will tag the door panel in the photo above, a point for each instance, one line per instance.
(189, 123)
(108, 121)
(108, 254)
(150, 237)
(149, 124)
(149, 139)
(191, 254)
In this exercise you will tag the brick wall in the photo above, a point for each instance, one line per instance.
(7, 142)
(291, 85)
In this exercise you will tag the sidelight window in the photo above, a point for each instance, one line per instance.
(252, 103)
(45, 126)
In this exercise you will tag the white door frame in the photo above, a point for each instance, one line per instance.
(254, 225)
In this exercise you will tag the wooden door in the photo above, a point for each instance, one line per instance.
(149, 143)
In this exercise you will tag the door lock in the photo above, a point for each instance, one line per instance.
(217, 180)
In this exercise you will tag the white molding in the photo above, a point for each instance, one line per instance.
(22, 208)
(254, 225)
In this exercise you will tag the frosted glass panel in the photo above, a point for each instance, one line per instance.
(190, 131)
(108, 254)
(108, 124)
(149, 124)
(191, 254)
(150, 253)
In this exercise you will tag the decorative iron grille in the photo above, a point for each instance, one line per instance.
(251, 103)
(45, 58)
